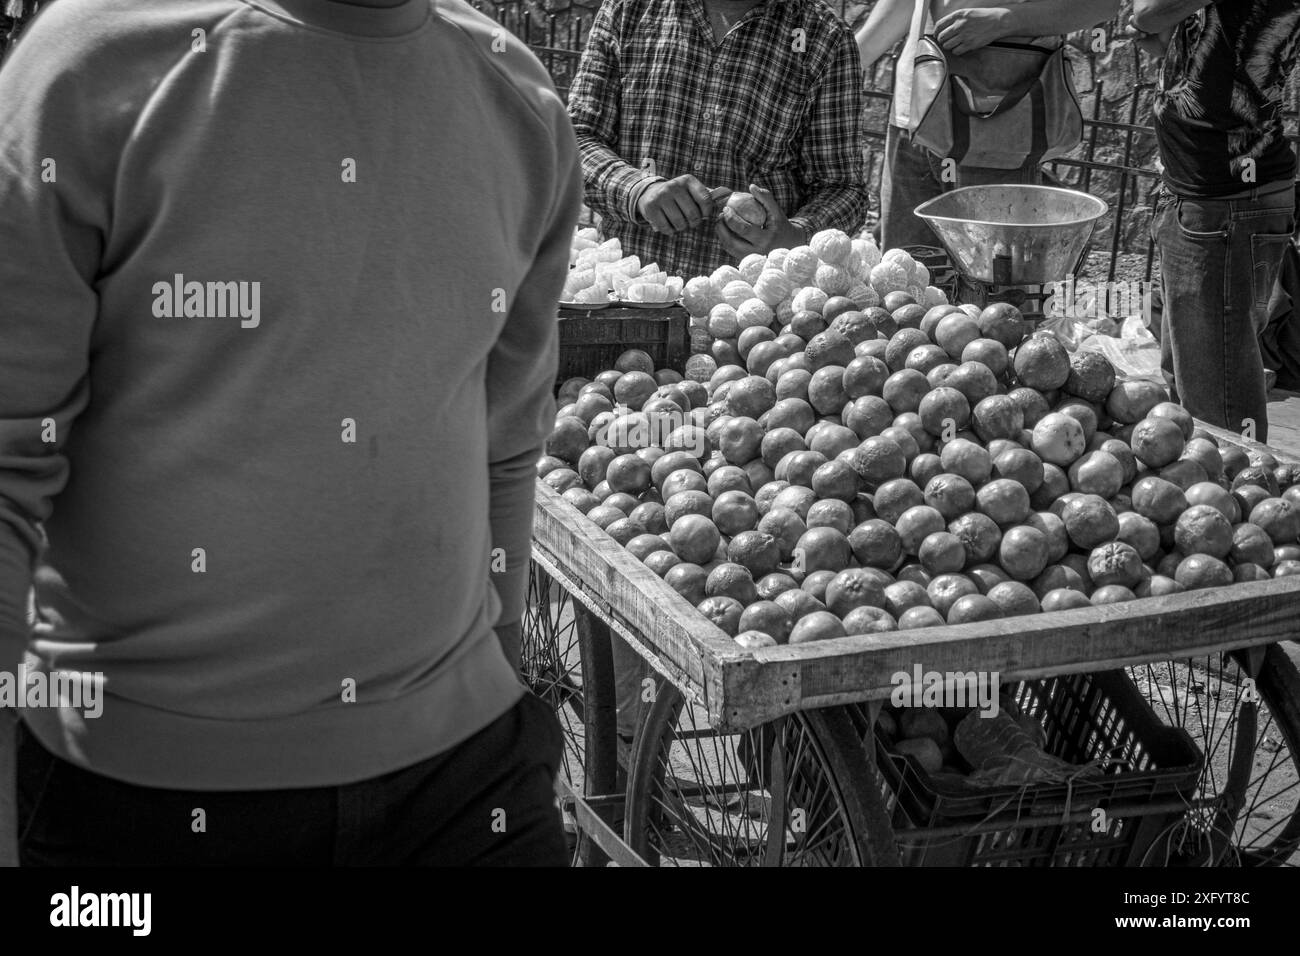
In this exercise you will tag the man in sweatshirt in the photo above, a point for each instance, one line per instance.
(277, 345)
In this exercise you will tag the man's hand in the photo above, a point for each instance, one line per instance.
(968, 30)
(1153, 45)
(741, 238)
(675, 205)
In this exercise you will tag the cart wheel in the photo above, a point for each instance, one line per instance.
(565, 661)
(1246, 812)
(795, 792)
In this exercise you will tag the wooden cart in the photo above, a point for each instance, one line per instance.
(771, 757)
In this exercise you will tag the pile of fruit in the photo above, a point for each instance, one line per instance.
(775, 287)
(876, 469)
(599, 274)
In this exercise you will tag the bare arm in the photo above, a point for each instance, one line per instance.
(975, 28)
(886, 25)
(1039, 18)
(1155, 16)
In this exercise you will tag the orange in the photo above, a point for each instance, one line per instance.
(830, 439)
(724, 612)
(1014, 598)
(979, 536)
(1211, 493)
(973, 607)
(1091, 377)
(634, 389)
(900, 346)
(1203, 529)
(1115, 563)
(1178, 415)
(817, 626)
(751, 396)
(1140, 533)
(942, 553)
(1156, 442)
(1056, 577)
(876, 544)
(771, 585)
(826, 390)
(635, 360)
(1158, 585)
(1003, 323)
(1058, 439)
(853, 588)
(1003, 500)
(950, 495)
(1064, 599)
(1090, 521)
(1097, 473)
(1159, 500)
(954, 332)
(926, 359)
(683, 479)
(734, 512)
(974, 380)
(731, 580)
(869, 620)
(829, 348)
(643, 545)
(628, 473)
(739, 440)
(1019, 464)
(694, 538)
(967, 459)
(1278, 518)
(878, 460)
(915, 524)
(1130, 401)
(944, 411)
(919, 617)
(1206, 454)
(756, 551)
(1202, 571)
(945, 589)
(901, 596)
(1042, 362)
(785, 527)
(831, 513)
(822, 549)
(904, 390)
(988, 352)
(769, 618)
(998, 416)
(1023, 552)
(798, 603)
(1112, 594)
(568, 439)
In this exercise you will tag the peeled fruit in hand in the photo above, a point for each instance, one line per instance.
(747, 208)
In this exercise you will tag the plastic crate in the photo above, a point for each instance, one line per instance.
(1151, 778)
(590, 342)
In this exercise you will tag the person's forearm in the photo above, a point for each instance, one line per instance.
(833, 206)
(512, 533)
(15, 582)
(611, 184)
(1156, 16)
(886, 25)
(1036, 18)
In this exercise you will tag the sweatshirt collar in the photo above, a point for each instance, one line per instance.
(350, 18)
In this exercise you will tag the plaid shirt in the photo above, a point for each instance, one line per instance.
(776, 102)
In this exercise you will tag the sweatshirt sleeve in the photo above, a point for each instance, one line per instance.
(56, 177)
(521, 378)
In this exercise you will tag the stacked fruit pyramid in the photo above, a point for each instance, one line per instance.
(868, 469)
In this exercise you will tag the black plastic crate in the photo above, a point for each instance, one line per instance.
(1151, 776)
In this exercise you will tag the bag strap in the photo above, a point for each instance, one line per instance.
(1038, 123)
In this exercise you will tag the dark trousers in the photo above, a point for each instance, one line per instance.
(487, 802)
(1219, 261)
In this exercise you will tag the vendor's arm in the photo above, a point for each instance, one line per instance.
(611, 185)
(886, 25)
(832, 160)
(966, 30)
(1156, 16)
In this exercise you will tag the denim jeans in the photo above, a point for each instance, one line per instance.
(913, 175)
(1219, 260)
(488, 801)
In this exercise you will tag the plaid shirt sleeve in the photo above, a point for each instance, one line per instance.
(611, 185)
(833, 160)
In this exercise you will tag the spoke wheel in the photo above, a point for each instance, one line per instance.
(1247, 807)
(565, 661)
(795, 792)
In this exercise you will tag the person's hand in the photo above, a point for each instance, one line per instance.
(675, 205)
(1153, 45)
(741, 238)
(966, 31)
(511, 637)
